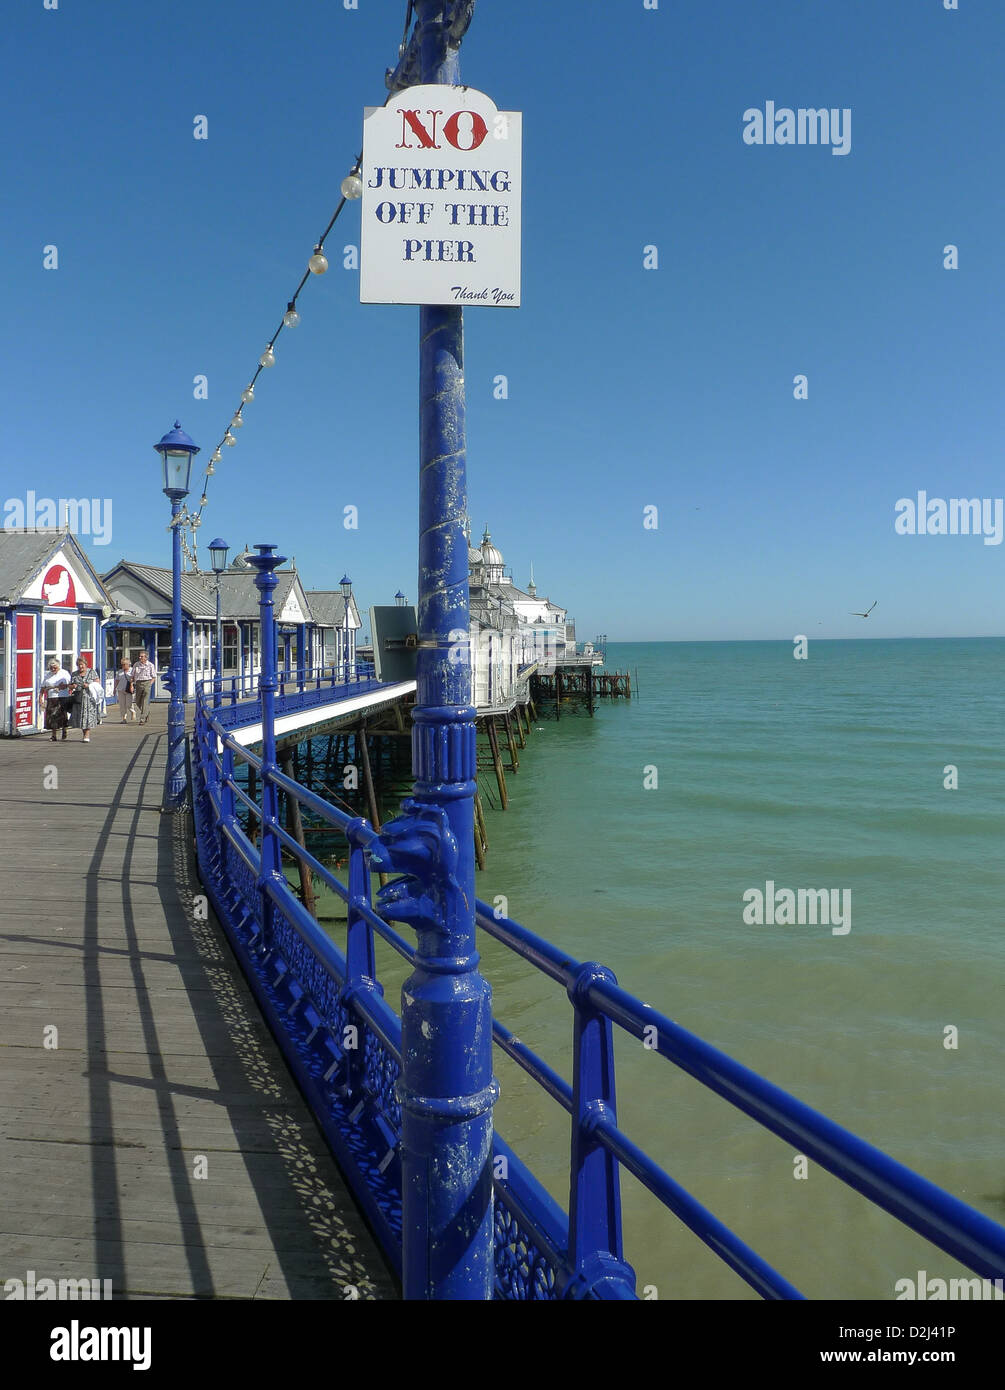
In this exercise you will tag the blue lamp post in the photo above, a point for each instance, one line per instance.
(265, 563)
(218, 559)
(346, 586)
(177, 451)
(400, 599)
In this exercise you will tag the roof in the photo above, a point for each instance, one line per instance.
(242, 561)
(195, 598)
(24, 552)
(238, 595)
(22, 555)
(328, 607)
(490, 612)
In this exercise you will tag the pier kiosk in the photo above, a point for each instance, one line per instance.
(52, 604)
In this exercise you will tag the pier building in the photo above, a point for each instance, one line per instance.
(514, 631)
(338, 631)
(141, 620)
(52, 603)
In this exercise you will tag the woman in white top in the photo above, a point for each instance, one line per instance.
(56, 691)
(124, 690)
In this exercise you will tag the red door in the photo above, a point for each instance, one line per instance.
(24, 672)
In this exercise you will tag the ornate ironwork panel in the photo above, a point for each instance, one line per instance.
(381, 1075)
(523, 1273)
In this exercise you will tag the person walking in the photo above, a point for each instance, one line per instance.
(144, 674)
(124, 691)
(85, 710)
(56, 693)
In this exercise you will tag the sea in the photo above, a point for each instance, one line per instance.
(636, 838)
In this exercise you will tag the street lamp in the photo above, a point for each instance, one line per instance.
(400, 599)
(346, 585)
(218, 559)
(177, 451)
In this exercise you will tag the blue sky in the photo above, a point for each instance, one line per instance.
(628, 387)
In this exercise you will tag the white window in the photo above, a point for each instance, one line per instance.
(58, 643)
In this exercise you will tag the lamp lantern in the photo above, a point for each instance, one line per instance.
(218, 555)
(177, 451)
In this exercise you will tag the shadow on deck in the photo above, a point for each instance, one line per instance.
(161, 1143)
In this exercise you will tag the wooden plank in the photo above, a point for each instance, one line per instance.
(163, 1057)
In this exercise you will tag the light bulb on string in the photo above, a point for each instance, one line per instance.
(237, 422)
(216, 456)
(210, 469)
(352, 186)
(229, 439)
(203, 500)
(318, 263)
(268, 358)
(248, 395)
(291, 318)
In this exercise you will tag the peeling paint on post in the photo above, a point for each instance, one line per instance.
(447, 1090)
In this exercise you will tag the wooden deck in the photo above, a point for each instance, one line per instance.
(164, 1070)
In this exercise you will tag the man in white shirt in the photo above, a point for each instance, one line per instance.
(143, 675)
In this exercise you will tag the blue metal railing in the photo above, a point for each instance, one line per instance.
(237, 700)
(343, 1042)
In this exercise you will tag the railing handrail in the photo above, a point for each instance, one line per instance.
(588, 1264)
(312, 934)
(236, 699)
(330, 671)
(912, 1199)
(926, 1208)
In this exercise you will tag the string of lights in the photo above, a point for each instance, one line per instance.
(317, 264)
(351, 188)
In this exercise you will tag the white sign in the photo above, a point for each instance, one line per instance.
(441, 200)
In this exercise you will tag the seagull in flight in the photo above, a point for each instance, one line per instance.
(866, 614)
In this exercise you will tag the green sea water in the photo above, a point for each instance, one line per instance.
(820, 773)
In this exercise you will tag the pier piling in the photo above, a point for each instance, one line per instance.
(490, 726)
(513, 758)
(295, 825)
